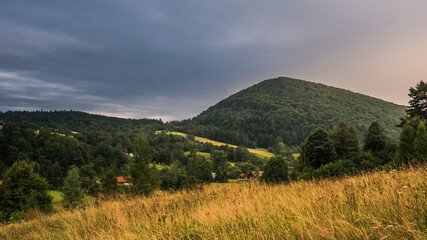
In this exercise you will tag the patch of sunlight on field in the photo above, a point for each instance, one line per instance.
(57, 196)
(160, 167)
(206, 155)
(260, 152)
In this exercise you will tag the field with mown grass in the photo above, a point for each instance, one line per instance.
(380, 205)
(261, 152)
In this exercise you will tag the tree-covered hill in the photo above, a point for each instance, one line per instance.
(67, 121)
(288, 110)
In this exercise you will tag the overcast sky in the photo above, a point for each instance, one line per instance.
(173, 59)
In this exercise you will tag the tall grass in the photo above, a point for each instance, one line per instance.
(381, 205)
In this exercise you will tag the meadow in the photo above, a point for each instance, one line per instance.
(380, 205)
(260, 152)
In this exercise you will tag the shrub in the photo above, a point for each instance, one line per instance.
(275, 170)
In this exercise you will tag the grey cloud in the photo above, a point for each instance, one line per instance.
(173, 59)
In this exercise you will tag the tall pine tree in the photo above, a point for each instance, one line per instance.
(420, 142)
(144, 177)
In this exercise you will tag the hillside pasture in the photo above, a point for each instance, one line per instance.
(260, 152)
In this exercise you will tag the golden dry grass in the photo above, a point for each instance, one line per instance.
(382, 205)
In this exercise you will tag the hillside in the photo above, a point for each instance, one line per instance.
(382, 205)
(76, 121)
(288, 110)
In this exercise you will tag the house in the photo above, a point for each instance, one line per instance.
(242, 176)
(253, 174)
(121, 180)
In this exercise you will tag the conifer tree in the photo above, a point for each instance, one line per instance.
(319, 149)
(345, 141)
(375, 139)
(418, 102)
(406, 148)
(144, 177)
(72, 192)
(420, 142)
(21, 190)
(193, 169)
(219, 159)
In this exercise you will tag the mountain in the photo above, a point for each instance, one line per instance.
(288, 110)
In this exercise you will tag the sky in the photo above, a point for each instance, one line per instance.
(173, 59)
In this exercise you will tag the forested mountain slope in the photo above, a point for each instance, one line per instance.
(288, 110)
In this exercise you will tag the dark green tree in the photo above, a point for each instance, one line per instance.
(109, 182)
(418, 102)
(318, 149)
(73, 194)
(205, 170)
(246, 167)
(233, 172)
(276, 170)
(219, 159)
(193, 174)
(21, 190)
(420, 142)
(345, 141)
(175, 177)
(144, 177)
(406, 150)
(375, 139)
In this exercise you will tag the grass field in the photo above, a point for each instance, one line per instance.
(261, 152)
(57, 196)
(160, 167)
(381, 205)
(206, 155)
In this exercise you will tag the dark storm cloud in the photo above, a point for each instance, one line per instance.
(172, 59)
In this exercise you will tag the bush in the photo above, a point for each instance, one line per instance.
(275, 170)
(337, 168)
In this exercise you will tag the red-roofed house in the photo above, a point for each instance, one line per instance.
(253, 174)
(121, 180)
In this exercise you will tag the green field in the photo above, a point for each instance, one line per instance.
(160, 167)
(57, 196)
(260, 152)
(206, 155)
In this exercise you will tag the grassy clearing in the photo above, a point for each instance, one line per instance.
(160, 167)
(206, 155)
(382, 205)
(261, 152)
(57, 196)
